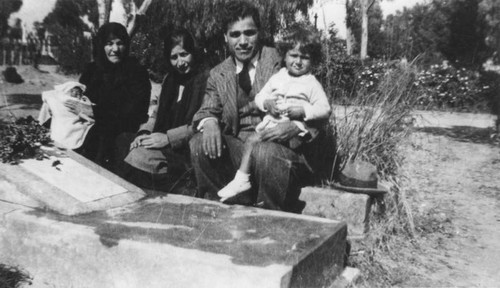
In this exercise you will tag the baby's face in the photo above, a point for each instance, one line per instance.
(76, 92)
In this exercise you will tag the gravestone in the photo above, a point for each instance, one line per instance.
(173, 241)
(67, 183)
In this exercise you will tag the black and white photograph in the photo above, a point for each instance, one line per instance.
(249, 143)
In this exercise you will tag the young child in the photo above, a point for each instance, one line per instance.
(292, 94)
(67, 129)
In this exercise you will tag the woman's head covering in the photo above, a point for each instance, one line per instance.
(105, 33)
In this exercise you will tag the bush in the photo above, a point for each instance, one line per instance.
(490, 81)
(371, 74)
(337, 73)
(444, 87)
(22, 140)
(12, 276)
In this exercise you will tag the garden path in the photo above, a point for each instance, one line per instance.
(455, 195)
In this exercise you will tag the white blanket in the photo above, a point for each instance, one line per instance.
(67, 129)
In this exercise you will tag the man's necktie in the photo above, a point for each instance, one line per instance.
(244, 79)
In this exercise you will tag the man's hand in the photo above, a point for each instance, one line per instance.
(271, 107)
(295, 113)
(249, 109)
(212, 140)
(151, 141)
(282, 132)
(78, 108)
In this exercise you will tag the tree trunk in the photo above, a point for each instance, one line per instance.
(104, 8)
(349, 6)
(364, 29)
(132, 24)
(365, 7)
(115, 11)
(349, 41)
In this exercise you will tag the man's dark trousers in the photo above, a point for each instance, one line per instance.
(276, 172)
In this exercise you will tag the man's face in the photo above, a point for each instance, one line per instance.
(242, 38)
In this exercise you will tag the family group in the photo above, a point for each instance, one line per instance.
(253, 128)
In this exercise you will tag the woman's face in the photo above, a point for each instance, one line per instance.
(181, 60)
(114, 49)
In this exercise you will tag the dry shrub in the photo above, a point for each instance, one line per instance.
(373, 129)
(13, 277)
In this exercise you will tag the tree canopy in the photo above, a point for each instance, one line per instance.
(7, 7)
(490, 10)
(443, 29)
(201, 17)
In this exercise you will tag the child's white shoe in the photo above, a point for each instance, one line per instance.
(233, 188)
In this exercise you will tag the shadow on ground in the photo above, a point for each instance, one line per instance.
(19, 105)
(24, 99)
(465, 134)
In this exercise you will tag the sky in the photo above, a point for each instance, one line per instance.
(328, 11)
(33, 10)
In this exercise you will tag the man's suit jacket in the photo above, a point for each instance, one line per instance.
(222, 90)
(220, 102)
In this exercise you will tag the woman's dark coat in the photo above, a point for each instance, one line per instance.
(121, 94)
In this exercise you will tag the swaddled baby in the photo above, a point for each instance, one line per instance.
(67, 128)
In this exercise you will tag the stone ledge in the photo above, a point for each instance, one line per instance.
(175, 241)
(339, 205)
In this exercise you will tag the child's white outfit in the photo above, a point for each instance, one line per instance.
(67, 129)
(304, 91)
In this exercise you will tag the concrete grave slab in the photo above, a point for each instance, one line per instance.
(66, 183)
(174, 241)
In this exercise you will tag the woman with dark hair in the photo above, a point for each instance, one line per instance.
(120, 89)
(160, 154)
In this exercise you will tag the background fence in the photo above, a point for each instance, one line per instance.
(14, 52)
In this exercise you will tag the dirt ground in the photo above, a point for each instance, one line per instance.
(453, 188)
(454, 191)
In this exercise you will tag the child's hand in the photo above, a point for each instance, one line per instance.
(271, 107)
(296, 113)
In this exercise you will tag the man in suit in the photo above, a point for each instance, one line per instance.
(228, 116)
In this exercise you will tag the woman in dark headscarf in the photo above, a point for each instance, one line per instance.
(120, 89)
(160, 154)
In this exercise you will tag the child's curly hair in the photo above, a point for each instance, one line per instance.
(309, 42)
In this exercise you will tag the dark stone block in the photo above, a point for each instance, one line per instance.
(175, 241)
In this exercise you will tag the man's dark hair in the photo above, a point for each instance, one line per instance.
(239, 9)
